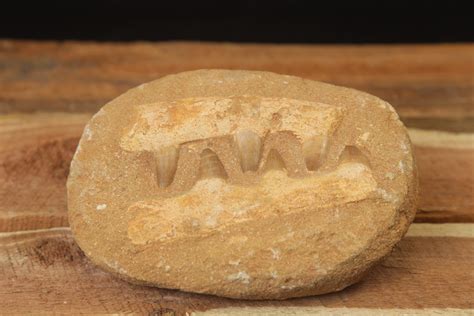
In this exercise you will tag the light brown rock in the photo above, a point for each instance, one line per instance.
(242, 184)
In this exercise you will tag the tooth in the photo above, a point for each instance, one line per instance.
(249, 144)
(353, 154)
(274, 161)
(313, 150)
(211, 166)
(166, 161)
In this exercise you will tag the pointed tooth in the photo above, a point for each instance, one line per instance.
(211, 166)
(353, 154)
(274, 161)
(249, 145)
(314, 150)
(166, 163)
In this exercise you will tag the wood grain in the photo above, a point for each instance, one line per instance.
(35, 153)
(441, 230)
(36, 149)
(431, 86)
(60, 84)
(46, 271)
(446, 184)
(328, 311)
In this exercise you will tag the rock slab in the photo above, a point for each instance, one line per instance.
(242, 184)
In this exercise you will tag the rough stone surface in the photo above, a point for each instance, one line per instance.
(242, 184)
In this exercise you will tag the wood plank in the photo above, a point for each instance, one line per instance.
(438, 139)
(36, 149)
(325, 311)
(441, 230)
(446, 184)
(35, 153)
(430, 85)
(446, 174)
(47, 272)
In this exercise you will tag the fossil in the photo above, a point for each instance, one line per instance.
(242, 184)
(252, 141)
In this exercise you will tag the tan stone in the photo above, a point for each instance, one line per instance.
(242, 184)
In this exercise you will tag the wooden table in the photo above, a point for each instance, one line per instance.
(48, 90)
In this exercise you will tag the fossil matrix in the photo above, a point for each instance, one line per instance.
(242, 184)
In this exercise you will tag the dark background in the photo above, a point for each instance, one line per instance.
(277, 21)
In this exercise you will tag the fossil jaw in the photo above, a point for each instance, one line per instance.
(212, 204)
(238, 158)
(252, 136)
(165, 124)
(273, 226)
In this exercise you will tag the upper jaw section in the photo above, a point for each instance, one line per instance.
(236, 138)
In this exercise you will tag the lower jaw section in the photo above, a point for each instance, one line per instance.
(213, 204)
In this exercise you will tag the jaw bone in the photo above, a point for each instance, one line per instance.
(200, 211)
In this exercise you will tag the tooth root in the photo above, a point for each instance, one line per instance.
(211, 166)
(166, 163)
(249, 145)
(314, 150)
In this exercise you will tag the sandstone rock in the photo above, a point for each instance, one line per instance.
(242, 184)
